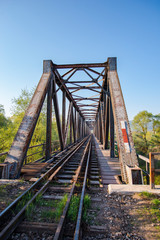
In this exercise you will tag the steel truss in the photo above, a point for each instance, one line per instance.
(103, 113)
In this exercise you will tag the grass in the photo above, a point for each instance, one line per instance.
(146, 194)
(57, 208)
(23, 201)
(42, 202)
(73, 208)
(153, 208)
(51, 210)
(60, 206)
(2, 189)
(86, 206)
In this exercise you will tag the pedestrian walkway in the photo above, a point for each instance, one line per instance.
(109, 167)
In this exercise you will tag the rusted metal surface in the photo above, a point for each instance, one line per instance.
(83, 65)
(79, 217)
(63, 115)
(40, 187)
(111, 132)
(67, 124)
(49, 120)
(56, 108)
(60, 226)
(22, 139)
(120, 115)
(85, 112)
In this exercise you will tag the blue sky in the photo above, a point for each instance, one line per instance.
(82, 31)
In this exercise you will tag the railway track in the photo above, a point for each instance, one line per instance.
(62, 184)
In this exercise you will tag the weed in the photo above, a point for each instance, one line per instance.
(146, 194)
(73, 208)
(78, 184)
(87, 201)
(43, 202)
(23, 201)
(3, 189)
(30, 210)
(21, 180)
(60, 206)
(50, 214)
(86, 206)
(155, 203)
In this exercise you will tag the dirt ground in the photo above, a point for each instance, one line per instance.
(109, 217)
(121, 217)
(10, 190)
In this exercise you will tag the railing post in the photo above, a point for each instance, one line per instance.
(147, 170)
(152, 171)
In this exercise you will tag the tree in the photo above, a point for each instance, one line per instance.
(155, 139)
(19, 106)
(3, 120)
(5, 132)
(140, 125)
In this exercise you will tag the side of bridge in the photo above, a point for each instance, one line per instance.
(103, 114)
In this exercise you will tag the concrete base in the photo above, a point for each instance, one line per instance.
(9, 181)
(131, 189)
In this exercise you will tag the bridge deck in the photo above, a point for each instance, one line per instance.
(109, 167)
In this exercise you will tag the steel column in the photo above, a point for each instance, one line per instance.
(67, 124)
(56, 107)
(49, 120)
(63, 114)
(111, 131)
(71, 124)
(106, 133)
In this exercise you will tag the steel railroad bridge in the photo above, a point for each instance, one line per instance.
(96, 106)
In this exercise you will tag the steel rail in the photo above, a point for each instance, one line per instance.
(60, 227)
(47, 175)
(78, 224)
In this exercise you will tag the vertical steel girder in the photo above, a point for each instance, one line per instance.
(127, 154)
(74, 127)
(111, 119)
(100, 127)
(63, 114)
(18, 150)
(111, 113)
(56, 108)
(106, 129)
(71, 123)
(49, 120)
(67, 124)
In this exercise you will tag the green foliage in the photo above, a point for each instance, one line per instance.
(9, 127)
(86, 206)
(156, 203)
(49, 214)
(30, 210)
(73, 208)
(23, 202)
(140, 124)
(60, 206)
(145, 139)
(2, 189)
(147, 195)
